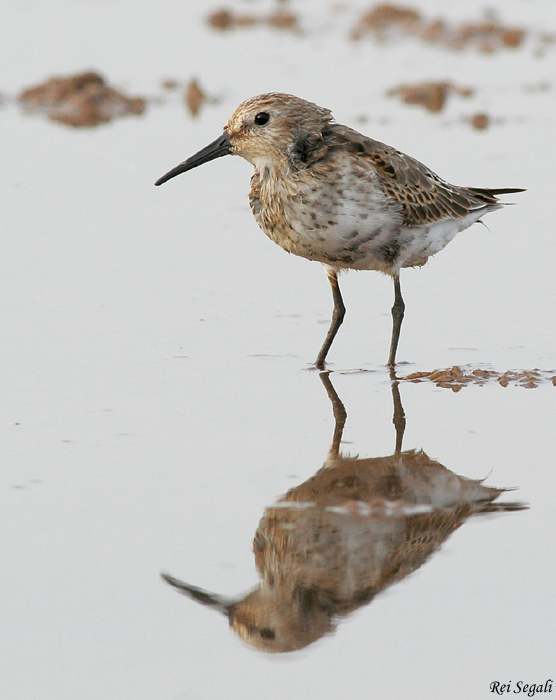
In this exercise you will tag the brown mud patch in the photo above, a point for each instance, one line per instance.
(170, 84)
(431, 96)
(387, 22)
(81, 100)
(195, 97)
(280, 18)
(455, 378)
(480, 121)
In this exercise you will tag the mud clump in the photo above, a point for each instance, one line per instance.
(382, 19)
(194, 97)
(169, 84)
(455, 378)
(387, 22)
(226, 19)
(279, 18)
(82, 100)
(480, 121)
(431, 96)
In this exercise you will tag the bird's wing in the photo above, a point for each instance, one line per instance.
(420, 194)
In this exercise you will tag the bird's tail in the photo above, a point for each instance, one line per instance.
(488, 196)
(504, 190)
(483, 191)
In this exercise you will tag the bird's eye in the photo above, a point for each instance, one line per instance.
(262, 118)
(267, 633)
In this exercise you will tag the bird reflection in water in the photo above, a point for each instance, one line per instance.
(330, 545)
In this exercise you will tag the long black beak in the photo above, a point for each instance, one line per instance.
(216, 149)
(211, 600)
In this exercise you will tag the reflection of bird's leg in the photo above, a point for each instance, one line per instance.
(399, 415)
(337, 317)
(340, 414)
(397, 318)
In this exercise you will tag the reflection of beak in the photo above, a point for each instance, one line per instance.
(216, 149)
(223, 605)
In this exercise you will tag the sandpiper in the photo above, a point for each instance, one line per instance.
(325, 192)
(338, 540)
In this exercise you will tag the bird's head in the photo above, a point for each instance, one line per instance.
(265, 130)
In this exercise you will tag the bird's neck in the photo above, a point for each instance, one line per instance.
(274, 165)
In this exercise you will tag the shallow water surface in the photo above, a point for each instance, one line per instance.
(157, 401)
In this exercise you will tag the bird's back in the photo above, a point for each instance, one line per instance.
(422, 196)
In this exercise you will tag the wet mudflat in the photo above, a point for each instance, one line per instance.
(156, 400)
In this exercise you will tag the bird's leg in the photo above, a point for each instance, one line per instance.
(340, 414)
(337, 317)
(399, 415)
(397, 317)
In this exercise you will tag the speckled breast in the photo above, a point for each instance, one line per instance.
(338, 217)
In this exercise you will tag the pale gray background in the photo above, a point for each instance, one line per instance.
(153, 346)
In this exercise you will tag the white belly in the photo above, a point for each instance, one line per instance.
(377, 242)
(432, 238)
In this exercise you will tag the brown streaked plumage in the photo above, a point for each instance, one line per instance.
(327, 193)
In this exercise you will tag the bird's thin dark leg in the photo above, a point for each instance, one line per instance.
(337, 317)
(399, 414)
(397, 317)
(339, 410)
